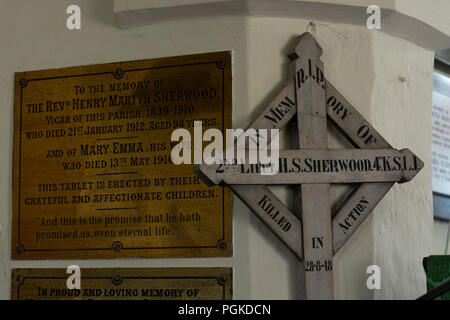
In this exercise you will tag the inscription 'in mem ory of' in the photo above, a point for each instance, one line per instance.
(93, 177)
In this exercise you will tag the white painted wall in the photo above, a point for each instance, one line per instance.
(415, 20)
(440, 237)
(364, 65)
(434, 13)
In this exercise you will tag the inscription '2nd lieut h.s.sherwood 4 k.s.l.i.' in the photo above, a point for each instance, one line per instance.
(93, 176)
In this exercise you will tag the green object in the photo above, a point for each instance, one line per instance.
(437, 269)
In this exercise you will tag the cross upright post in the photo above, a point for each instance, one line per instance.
(315, 198)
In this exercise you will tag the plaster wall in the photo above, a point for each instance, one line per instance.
(366, 66)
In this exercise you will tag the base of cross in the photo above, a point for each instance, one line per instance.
(310, 100)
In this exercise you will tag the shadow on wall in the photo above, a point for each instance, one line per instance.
(352, 73)
(101, 11)
(351, 70)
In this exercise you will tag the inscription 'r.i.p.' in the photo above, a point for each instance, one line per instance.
(315, 73)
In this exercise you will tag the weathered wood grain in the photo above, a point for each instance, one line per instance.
(321, 166)
(352, 214)
(361, 134)
(315, 199)
(376, 166)
(286, 226)
(349, 121)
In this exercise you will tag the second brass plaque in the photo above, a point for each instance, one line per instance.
(93, 177)
(124, 284)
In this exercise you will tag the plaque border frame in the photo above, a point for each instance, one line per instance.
(118, 74)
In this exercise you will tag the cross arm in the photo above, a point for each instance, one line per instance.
(320, 166)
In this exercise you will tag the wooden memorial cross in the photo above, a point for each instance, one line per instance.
(375, 165)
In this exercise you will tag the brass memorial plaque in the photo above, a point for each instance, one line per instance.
(124, 284)
(93, 177)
